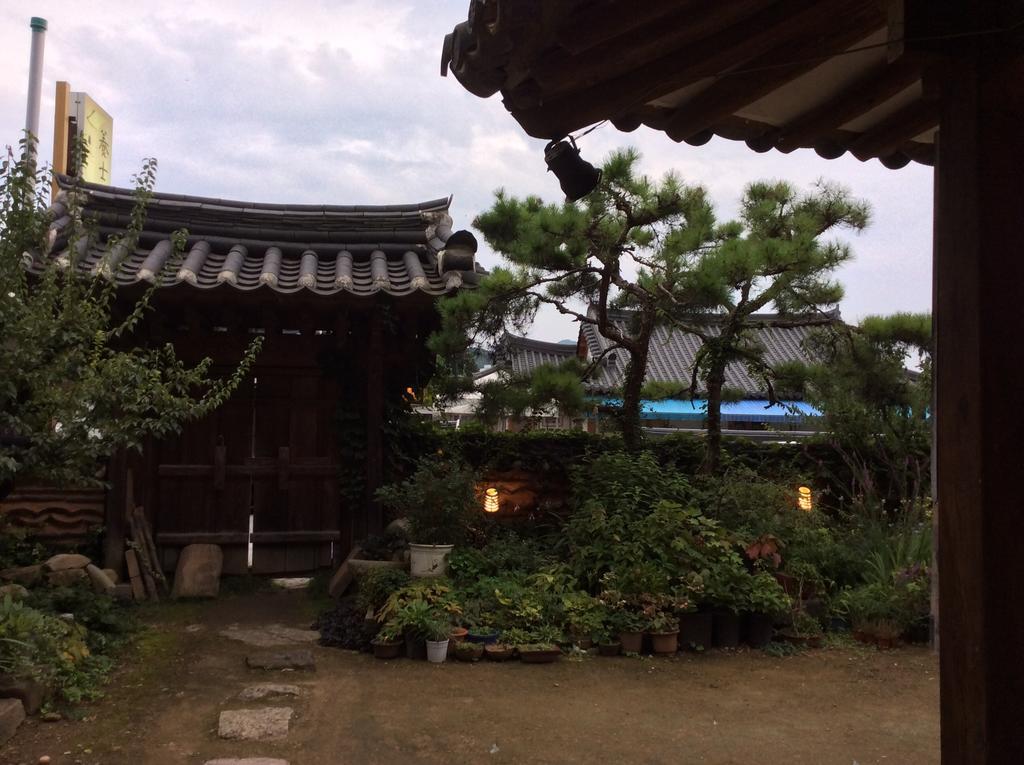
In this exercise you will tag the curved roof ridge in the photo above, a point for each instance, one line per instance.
(540, 345)
(158, 198)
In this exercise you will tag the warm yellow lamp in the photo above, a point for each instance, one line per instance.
(491, 500)
(804, 501)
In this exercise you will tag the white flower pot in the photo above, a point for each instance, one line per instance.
(429, 560)
(437, 651)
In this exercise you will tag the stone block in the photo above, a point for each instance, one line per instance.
(12, 714)
(294, 659)
(112, 575)
(66, 561)
(100, 581)
(67, 577)
(267, 691)
(198, 572)
(26, 575)
(255, 724)
(31, 693)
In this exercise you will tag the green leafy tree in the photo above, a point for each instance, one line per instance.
(618, 247)
(75, 382)
(774, 256)
(875, 409)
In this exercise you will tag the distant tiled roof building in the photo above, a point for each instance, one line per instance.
(672, 351)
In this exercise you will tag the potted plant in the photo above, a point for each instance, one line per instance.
(436, 634)
(539, 653)
(607, 643)
(389, 643)
(466, 651)
(663, 629)
(805, 630)
(483, 634)
(765, 601)
(583, 617)
(726, 592)
(438, 501)
(499, 651)
(420, 622)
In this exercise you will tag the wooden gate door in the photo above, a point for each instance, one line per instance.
(296, 502)
(265, 458)
(203, 491)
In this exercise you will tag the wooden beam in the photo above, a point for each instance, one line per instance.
(630, 44)
(783, 21)
(978, 417)
(374, 521)
(856, 99)
(888, 136)
(769, 72)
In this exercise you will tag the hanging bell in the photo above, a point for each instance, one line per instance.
(575, 175)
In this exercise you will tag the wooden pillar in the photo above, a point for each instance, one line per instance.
(374, 422)
(979, 270)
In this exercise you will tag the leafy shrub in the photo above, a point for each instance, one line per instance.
(345, 626)
(767, 596)
(376, 586)
(439, 500)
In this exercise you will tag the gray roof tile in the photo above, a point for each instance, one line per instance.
(325, 249)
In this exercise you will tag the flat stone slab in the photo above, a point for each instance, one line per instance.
(267, 691)
(270, 635)
(255, 724)
(12, 713)
(301, 658)
(248, 761)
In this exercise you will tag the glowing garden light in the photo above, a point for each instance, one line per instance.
(803, 500)
(491, 500)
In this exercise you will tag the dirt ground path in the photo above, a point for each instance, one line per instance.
(838, 705)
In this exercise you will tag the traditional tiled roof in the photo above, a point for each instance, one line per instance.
(672, 352)
(522, 355)
(324, 249)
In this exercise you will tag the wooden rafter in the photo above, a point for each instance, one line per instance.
(779, 24)
(887, 137)
(768, 73)
(859, 98)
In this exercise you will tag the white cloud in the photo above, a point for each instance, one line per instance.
(342, 102)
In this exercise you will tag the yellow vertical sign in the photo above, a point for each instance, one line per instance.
(96, 130)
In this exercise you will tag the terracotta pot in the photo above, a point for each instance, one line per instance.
(458, 634)
(632, 642)
(725, 629)
(540, 655)
(392, 650)
(664, 643)
(609, 649)
(695, 630)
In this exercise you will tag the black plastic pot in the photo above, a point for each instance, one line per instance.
(415, 648)
(695, 631)
(759, 629)
(726, 629)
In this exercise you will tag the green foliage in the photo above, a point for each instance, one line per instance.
(16, 549)
(875, 411)
(69, 383)
(377, 585)
(566, 254)
(766, 595)
(439, 500)
(72, 655)
(421, 620)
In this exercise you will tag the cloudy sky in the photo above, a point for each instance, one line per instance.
(341, 102)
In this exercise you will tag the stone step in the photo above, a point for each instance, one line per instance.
(255, 724)
(292, 659)
(12, 714)
(247, 761)
(267, 691)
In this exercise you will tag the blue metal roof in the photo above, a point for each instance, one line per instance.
(747, 410)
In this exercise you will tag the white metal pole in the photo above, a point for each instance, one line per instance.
(35, 83)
